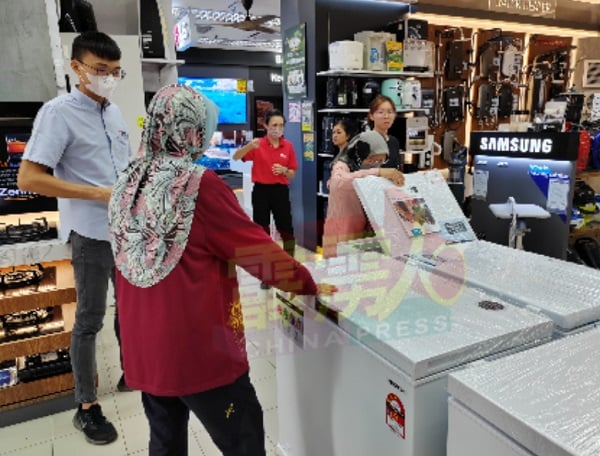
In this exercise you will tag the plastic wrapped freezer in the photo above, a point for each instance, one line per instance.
(392, 331)
(543, 401)
(568, 293)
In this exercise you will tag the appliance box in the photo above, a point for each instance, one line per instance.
(346, 55)
(374, 49)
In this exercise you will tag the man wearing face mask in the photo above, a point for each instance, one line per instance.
(273, 164)
(83, 138)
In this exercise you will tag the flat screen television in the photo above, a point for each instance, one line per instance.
(13, 139)
(227, 93)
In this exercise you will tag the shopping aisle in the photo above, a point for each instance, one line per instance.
(55, 435)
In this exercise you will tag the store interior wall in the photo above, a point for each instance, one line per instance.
(27, 72)
(117, 17)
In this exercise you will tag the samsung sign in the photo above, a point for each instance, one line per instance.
(541, 145)
(524, 145)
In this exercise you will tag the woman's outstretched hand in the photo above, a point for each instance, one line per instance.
(392, 174)
(326, 289)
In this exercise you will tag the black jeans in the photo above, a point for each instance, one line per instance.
(231, 414)
(93, 266)
(275, 198)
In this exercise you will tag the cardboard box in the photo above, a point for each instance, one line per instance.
(393, 56)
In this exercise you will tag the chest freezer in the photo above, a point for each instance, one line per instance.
(364, 371)
(395, 212)
(540, 402)
(566, 292)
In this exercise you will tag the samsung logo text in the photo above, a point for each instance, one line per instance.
(523, 145)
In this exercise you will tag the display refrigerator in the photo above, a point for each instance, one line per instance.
(565, 292)
(540, 402)
(364, 371)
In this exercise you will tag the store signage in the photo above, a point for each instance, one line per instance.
(183, 33)
(552, 145)
(276, 78)
(537, 8)
(524, 145)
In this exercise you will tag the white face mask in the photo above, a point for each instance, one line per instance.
(103, 86)
(275, 133)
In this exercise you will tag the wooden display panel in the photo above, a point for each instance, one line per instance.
(23, 394)
(34, 345)
(57, 290)
(57, 287)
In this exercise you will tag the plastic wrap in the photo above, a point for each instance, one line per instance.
(418, 320)
(546, 399)
(566, 292)
(387, 207)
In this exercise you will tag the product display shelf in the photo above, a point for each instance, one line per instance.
(56, 290)
(592, 231)
(373, 74)
(366, 110)
(357, 113)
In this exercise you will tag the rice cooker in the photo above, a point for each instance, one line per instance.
(346, 55)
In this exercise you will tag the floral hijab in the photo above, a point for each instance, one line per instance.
(153, 202)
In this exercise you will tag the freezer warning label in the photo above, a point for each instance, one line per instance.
(395, 416)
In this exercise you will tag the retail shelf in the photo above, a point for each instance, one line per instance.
(590, 231)
(376, 74)
(34, 345)
(56, 287)
(37, 391)
(56, 290)
(366, 110)
(164, 61)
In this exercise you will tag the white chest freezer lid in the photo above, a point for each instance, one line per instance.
(391, 211)
(568, 293)
(545, 398)
(419, 321)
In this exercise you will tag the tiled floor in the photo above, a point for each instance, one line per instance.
(55, 435)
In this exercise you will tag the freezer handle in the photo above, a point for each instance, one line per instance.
(327, 312)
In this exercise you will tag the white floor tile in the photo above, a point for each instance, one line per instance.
(129, 404)
(135, 433)
(62, 424)
(44, 449)
(260, 369)
(26, 434)
(76, 444)
(266, 390)
(271, 425)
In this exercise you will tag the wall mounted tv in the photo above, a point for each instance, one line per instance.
(227, 93)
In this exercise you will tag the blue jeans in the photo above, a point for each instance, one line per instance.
(93, 266)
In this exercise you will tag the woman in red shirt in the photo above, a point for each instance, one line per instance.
(274, 163)
(178, 233)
